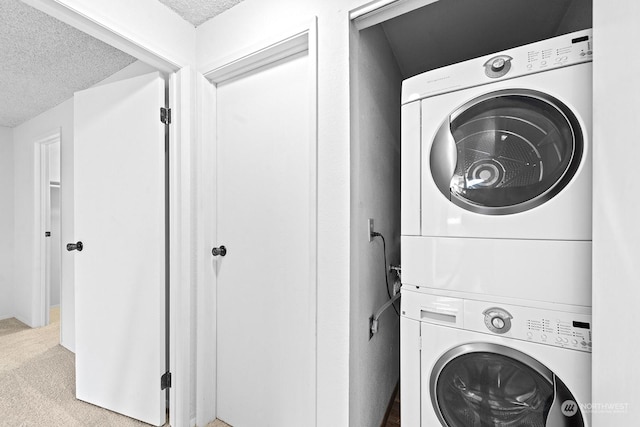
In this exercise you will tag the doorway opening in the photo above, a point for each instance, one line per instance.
(48, 223)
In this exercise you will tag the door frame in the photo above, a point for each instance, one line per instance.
(135, 42)
(296, 39)
(42, 216)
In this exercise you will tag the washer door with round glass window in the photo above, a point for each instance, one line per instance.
(506, 152)
(490, 385)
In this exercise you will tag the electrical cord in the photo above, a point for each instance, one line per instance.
(386, 274)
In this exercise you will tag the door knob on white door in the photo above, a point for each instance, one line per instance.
(221, 251)
(74, 247)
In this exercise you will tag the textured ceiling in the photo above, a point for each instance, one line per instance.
(199, 11)
(43, 61)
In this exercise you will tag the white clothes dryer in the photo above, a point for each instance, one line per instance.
(472, 363)
(496, 173)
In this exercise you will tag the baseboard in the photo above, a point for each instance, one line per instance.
(6, 316)
(23, 321)
(390, 404)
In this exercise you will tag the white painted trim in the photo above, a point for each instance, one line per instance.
(40, 302)
(382, 10)
(299, 38)
(206, 347)
(312, 47)
(180, 248)
(269, 50)
(107, 34)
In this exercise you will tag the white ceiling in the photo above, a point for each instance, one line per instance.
(199, 11)
(43, 61)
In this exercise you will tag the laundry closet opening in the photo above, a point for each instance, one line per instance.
(388, 45)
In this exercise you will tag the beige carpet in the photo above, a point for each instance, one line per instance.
(37, 381)
(218, 423)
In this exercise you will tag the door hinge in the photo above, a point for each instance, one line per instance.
(165, 381)
(165, 115)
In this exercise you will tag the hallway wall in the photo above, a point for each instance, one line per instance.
(27, 265)
(6, 223)
(25, 228)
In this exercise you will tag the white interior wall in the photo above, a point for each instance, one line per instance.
(54, 162)
(26, 276)
(6, 223)
(27, 280)
(375, 193)
(56, 247)
(616, 231)
(56, 242)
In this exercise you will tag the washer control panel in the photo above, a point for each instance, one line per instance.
(566, 329)
(550, 327)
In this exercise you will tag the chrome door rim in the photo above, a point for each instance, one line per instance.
(440, 172)
(482, 347)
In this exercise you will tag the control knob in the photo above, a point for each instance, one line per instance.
(497, 66)
(497, 320)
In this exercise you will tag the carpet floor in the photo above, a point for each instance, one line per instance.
(37, 381)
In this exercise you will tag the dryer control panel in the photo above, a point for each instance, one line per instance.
(561, 51)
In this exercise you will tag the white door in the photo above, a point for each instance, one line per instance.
(119, 197)
(265, 303)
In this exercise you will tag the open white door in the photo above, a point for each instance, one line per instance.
(119, 178)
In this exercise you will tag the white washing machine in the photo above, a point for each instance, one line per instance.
(496, 174)
(472, 363)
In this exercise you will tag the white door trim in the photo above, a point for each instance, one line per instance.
(128, 39)
(42, 212)
(382, 10)
(181, 213)
(298, 38)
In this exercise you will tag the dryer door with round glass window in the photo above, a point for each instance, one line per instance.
(506, 152)
(482, 385)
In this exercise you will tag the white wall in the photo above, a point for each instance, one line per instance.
(375, 193)
(27, 308)
(56, 241)
(6, 223)
(616, 229)
(56, 247)
(26, 268)
(54, 162)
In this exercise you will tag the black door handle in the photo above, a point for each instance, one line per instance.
(222, 251)
(74, 247)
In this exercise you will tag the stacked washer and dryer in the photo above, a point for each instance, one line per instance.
(496, 239)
